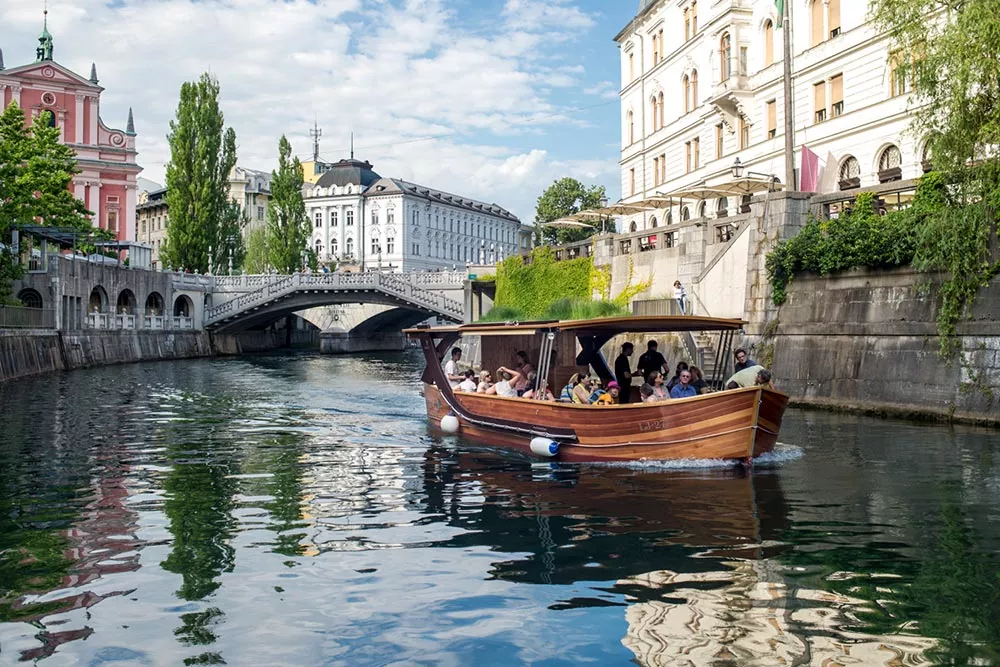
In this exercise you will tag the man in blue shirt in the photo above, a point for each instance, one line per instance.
(683, 389)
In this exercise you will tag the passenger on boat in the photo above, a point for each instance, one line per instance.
(508, 378)
(676, 379)
(742, 361)
(623, 371)
(683, 388)
(646, 393)
(698, 380)
(524, 367)
(485, 384)
(594, 387)
(750, 377)
(469, 384)
(660, 392)
(611, 396)
(451, 368)
(567, 392)
(534, 393)
(651, 360)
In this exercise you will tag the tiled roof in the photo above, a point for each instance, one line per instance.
(393, 185)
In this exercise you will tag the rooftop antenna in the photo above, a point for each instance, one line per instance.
(352, 145)
(315, 133)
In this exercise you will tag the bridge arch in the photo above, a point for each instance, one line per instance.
(154, 304)
(126, 304)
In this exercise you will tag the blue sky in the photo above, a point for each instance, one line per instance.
(516, 93)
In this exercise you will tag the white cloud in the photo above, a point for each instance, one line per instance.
(391, 71)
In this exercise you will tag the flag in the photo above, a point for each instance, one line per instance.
(809, 179)
(781, 11)
(829, 175)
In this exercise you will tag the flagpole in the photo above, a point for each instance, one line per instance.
(790, 184)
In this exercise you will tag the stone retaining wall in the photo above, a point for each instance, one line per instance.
(868, 340)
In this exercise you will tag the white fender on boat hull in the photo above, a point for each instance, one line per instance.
(544, 447)
(449, 423)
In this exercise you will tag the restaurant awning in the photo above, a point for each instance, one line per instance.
(737, 187)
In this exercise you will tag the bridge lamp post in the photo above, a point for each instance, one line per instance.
(305, 259)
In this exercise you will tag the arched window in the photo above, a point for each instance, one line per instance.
(154, 304)
(333, 247)
(926, 159)
(694, 89)
(652, 106)
(890, 163)
(701, 209)
(349, 248)
(768, 43)
(126, 303)
(722, 207)
(319, 247)
(685, 214)
(29, 298)
(850, 173)
(687, 93)
(816, 18)
(725, 57)
(633, 227)
(670, 217)
(652, 222)
(659, 103)
(630, 119)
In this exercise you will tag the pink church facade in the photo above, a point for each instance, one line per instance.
(106, 156)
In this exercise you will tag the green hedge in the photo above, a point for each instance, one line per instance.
(530, 289)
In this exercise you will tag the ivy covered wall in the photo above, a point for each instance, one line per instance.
(531, 288)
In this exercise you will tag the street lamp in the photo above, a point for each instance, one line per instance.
(739, 168)
(305, 259)
(603, 201)
(231, 240)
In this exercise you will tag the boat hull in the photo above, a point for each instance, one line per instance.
(738, 425)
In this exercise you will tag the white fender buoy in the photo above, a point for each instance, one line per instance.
(544, 447)
(449, 423)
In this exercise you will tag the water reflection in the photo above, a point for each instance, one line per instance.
(294, 510)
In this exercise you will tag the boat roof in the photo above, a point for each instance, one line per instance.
(606, 325)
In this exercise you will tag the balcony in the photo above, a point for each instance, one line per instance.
(731, 96)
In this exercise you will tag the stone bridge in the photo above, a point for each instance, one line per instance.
(241, 302)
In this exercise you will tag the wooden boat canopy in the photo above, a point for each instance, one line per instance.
(608, 326)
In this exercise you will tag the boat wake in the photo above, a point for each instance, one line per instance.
(782, 453)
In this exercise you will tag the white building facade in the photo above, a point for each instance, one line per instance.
(702, 84)
(251, 189)
(375, 223)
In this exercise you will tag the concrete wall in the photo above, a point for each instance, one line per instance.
(25, 353)
(868, 339)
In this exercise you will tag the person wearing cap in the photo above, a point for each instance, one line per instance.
(610, 397)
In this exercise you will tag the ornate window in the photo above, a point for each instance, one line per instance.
(850, 173)
(694, 89)
(652, 222)
(349, 247)
(685, 214)
(659, 103)
(725, 57)
(630, 121)
(890, 163)
(687, 93)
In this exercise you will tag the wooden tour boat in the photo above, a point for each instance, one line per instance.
(738, 424)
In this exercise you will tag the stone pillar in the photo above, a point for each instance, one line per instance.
(79, 191)
(95, 202)
(131, 232)
(78, 132)
(15, 93)
(93, 121)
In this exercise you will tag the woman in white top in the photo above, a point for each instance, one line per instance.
(486, 385)
(680, 296)
(508, 380)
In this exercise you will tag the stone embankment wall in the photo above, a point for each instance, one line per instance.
(24, 353)
(868, 340)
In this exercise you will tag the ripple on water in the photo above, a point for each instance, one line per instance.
(294, 510)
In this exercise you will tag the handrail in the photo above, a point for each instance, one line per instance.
(273, 287)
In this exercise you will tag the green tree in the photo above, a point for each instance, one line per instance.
(565, 197)
(255, 261)
(35, 174)
(202, 153)
(231, 244)
(950, 51)
(287, 224)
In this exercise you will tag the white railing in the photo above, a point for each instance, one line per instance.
(153, 322)
(427, 279)
(274, 287)
(99, 321)
(181, 322)
(124, 321)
